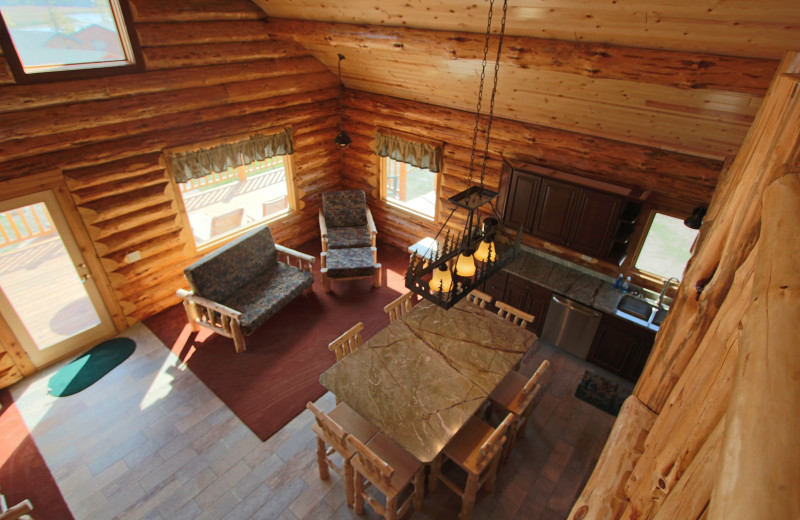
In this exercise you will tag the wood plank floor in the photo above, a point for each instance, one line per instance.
(150, 441)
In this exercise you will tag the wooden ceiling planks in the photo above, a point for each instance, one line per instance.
(764, 29)
(698, 104)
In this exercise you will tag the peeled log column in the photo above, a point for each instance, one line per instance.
(603, 498)
(759, 474)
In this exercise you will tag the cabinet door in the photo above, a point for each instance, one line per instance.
(610, 348)
(538, 303)
(523, 194)
(528, 297)
(594, 221)
(553, 211)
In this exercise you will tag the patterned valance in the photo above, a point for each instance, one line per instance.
(203, 161)
(416, 154)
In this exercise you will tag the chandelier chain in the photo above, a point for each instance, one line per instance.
(480, 94)
(339, 96)
(494, 89)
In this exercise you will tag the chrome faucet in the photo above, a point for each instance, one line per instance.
(664, 289)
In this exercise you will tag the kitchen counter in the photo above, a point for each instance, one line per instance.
(588, 289)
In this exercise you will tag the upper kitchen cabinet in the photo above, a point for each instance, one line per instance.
(590, 217)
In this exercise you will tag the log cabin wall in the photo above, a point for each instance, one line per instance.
(675, 180)
(711, 429)
(210, 72)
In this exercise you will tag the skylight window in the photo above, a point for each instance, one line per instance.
(63, 39)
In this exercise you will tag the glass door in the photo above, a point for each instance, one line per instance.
(47, 295)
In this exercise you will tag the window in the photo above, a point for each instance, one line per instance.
(67, 39)
(667, 247)
(409, 187)
(235, 185)
(409, 172)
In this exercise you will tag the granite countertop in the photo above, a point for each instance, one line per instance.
(592, 290)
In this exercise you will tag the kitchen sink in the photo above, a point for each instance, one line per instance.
(635, 307)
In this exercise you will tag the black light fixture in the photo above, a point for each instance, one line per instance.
(342, 140)
(696, 220)
(446, 273)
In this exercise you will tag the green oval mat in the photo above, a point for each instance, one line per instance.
(86, 370)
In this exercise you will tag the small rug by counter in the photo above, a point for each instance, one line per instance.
(601, 393)
(90, 367)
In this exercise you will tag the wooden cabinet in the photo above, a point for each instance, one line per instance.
(496, 285)
(520, 208)
(621, 347)
(586, 220)
(528, 297)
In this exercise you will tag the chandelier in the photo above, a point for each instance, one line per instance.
(457, 264)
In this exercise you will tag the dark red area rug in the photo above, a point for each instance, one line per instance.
(269, 384)
(23, 472)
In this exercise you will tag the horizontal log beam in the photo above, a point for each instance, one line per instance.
(594, 60)
(192, 33)
(197, 10)
(218, 53)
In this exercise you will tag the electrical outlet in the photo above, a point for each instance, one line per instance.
(133, 256)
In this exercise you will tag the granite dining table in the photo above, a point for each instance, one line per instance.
(421, 378)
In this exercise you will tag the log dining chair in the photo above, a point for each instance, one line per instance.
(381, 463)
(514, 315)
(476, 449)
(516, 395)
(479, 298)
(345, 344)
(399, 306)
(333, 429)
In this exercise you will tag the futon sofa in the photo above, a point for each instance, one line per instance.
(238, 287)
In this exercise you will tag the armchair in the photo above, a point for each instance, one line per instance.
(345, 220)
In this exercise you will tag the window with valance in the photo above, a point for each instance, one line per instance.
(409, 172)
(229, 187)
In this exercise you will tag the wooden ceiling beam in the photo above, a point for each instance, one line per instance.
(685, 70)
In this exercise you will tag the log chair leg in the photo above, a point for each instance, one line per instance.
(191, 315)
(326, 282)
(489, 484)
(358, 491)
(238, 337)
(377, 276)
(349, 483)
(468, 498)
(436, 470)
(322, 460)
(391, 508)
(419, 488)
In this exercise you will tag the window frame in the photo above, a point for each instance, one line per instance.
(128, 37)
(384, 168)
(654, 279)
(214, 242)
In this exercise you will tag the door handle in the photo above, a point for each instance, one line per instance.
(85, 277)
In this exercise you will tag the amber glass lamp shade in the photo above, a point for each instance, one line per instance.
(486, 251)
(442, 279)
(465, 266)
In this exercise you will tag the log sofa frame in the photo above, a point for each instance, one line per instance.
(235, 289)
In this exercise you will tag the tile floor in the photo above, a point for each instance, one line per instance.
(150, 441)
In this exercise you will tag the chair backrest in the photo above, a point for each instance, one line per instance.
(222, 272)
(492, 446)
(528, 388)
(335, 434)
(369, 464)
(514, 315)
(481, 299)
(347, 342)
(344, 208)
(399, 306)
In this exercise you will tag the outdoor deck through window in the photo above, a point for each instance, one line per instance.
(223, 202)
(410, 187)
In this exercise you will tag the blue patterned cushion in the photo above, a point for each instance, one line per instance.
(223, 272)
(345, 237)
(266, 294)
(344, 208)
(345, 263)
